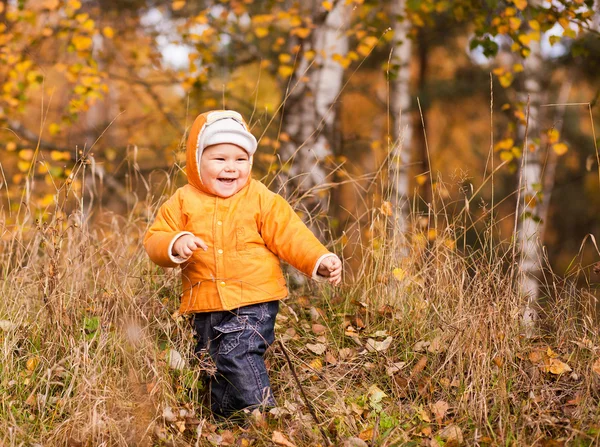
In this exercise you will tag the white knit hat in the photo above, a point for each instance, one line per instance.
(225, 127)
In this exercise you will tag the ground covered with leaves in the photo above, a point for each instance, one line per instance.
(425, 350)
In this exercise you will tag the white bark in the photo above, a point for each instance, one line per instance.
(310, 119)
(402, 129)
(531, 181)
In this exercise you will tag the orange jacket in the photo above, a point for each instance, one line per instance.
(246, 235)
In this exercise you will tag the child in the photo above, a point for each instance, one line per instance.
(228, 232)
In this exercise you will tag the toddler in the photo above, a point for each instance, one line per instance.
(228, 231)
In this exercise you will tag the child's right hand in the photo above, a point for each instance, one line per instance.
(187, 244)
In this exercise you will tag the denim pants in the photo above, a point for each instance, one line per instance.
(236, 341)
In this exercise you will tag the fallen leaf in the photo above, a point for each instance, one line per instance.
(354, 442)
(180, 426)
(175, 360)
(318, 328)
(32, 363)
(436, 345)
(318, 348)
(596, 366)
(316, 364)
(366, 435)
(330, 359)
(421, 346)
(439, 409)
(535, 356)
(348, 353)
(279, 439)
(390, 370)
(379, 346)
(168, 415)
(228, 438)
(451, 435)
(423, 414)
(7, 326)
(419, 366)
(557, 367)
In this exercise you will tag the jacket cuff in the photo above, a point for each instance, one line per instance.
(172, 257)
(315, 276)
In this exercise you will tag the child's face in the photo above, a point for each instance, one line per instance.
(224, 169)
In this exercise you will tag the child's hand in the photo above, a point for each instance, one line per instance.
(331, 268)
(187, 244)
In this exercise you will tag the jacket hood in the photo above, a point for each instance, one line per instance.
(200, 123)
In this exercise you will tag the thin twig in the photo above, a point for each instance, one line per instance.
(310, 408)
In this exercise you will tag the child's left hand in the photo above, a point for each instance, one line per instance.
(331, 268)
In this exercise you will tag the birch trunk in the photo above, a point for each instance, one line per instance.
(530, 174)
(309, 114)
(402, 129)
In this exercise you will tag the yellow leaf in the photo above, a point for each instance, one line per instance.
(285, 58)
(32, 363)
(23, 165)
(432, 234)
(505, 144)
(498, 71)
(285, 71)
(302, 33)
(261, 32)
(450, 243)
(506, 79)
(560, 148)
(316, 364)
(60, 156)
(557, 367)
(47, 200)
(520, 4)
(279, 439)
(506, 156)
(74, 4)
(11, 146)
(327, 5)
(517, 68)
(108, 32)
(309, 55)
(51, 4)
(514, 23)
(26, 154)
(399, 273)
(82, 43)
(534, 24)
(421, 179)
(553, 136)
(386, 208)
(177, 5)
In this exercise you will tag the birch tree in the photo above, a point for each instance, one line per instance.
(400, 99)
(310, 109)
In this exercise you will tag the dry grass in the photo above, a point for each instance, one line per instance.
(87, 322)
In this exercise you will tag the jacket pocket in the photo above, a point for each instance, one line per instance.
(240, 239)
(230, 335)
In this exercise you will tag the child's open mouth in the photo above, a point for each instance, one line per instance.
(227, 180)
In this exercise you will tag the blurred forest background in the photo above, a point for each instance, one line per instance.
(418, 101)
(446, 148)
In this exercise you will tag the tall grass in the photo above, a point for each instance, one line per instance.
(424, 348)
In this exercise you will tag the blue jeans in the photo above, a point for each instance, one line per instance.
(236, 341)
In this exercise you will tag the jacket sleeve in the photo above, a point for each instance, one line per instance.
(166, 229)
(289, 238)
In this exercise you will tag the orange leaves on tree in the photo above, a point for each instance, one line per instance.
(177, 5)
(520, 4)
